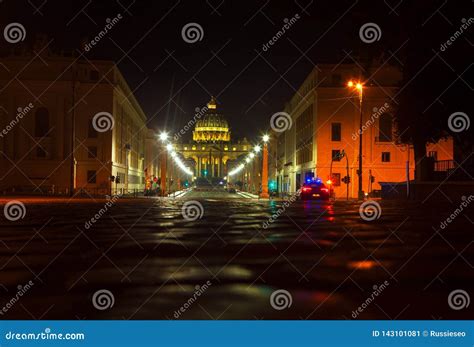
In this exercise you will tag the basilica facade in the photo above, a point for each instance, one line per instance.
(212, 152)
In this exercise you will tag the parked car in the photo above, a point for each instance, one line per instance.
(314, 190)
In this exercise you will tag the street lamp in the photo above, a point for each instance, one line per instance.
(264, 193)
(359, 87)
(257, 148)
(163, 136)
(169, 146)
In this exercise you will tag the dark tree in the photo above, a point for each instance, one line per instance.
(437, 76)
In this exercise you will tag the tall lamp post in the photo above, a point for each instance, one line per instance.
(164, 157)
(264, 193)
(359, 87)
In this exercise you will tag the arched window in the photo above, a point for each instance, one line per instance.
(385, 128)
(41, 122)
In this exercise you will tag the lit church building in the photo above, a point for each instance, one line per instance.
(211, 150)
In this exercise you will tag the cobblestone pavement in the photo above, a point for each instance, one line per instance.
(158, 263)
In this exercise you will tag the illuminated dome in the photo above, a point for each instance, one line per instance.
(213, 127)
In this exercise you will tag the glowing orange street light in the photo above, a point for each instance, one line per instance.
(359, 86)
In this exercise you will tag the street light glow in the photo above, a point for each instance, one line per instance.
(266, 138)
(163, 136)
(350, 84)
(252, 155)
(257, 148)
(169, 146)
(247, 160)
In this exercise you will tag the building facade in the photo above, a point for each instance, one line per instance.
(68, 123)
(212, 152)
(323, 140)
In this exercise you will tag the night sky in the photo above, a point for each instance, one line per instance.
(228, 62)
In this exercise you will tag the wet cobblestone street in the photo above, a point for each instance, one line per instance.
(152, 259)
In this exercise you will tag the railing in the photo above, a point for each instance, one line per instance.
(444, 165)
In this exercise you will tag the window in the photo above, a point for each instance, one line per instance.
(335, 131)
(41, 122)
(91, 132)
(336, 179)
(385, 157)
(336, 155)
(385, 128)
(433, 154)
(91, 176)
(92, 152)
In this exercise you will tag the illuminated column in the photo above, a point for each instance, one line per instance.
(264, 194)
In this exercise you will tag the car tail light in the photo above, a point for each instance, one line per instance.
(306, 189)
(324, 190)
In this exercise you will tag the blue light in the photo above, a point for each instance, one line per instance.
(318, 180)
(308, 180)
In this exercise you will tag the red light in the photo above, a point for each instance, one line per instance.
(306, 189)
(324, 190)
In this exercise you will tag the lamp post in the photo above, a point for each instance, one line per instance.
(264, 193)
(164, 157)
(359, 87)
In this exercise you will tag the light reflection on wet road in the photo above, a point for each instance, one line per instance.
(152, 259)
